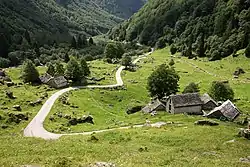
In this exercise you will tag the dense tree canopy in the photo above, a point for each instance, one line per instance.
(114, 50)
(212, 28)
(73, 70)
(163, 81)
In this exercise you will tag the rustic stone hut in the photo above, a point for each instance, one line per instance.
(55, 82)
(185, 103)
(155, 105)
(58, 82)
(45, 78)
(208, 103)
(227, 110)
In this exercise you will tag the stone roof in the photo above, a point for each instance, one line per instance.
(45, 78)
(59, 80)
(206, 98)
(185, 100)
(154, 105)
(228, 109)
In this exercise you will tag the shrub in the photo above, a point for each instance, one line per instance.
(126, 61)
(51, 69)
(4, 63)
(172, 63)
(221, 91)
(192, 88)
(173, 49)
(164, 80)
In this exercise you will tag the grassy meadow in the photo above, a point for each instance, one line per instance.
(178, 144)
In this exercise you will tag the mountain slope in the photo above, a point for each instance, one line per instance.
(121, 8)
(48, 16)
(213, 28)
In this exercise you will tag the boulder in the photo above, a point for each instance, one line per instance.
(245, 160)
(86, 119)
(9, 84)
(17, 117)
(66, 116)
(52, 118)
(73, 121)
(2, 73)
(37, 102)
(238, 72)
(102, 164)
(4, 126)
(206, 122)
(244, 133)
(10, 95)
(17, 107)
(134, 109)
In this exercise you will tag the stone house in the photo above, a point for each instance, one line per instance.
(185, 103)
(45, 78)
(55, 82)
(154, 105)
(58, 82)
(208, 103)
(227, 110)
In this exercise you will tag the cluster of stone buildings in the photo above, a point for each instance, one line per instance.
(193, 103)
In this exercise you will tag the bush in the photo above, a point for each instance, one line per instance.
(51, 69)
(172, 63)
(163, 81)
(192, 88)
(221, 91)
(4, 63)
(126, 61)
(173, 49)
(160, 44)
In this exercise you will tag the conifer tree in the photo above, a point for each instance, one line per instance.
(29, 72)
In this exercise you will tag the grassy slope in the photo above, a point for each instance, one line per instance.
(24, 94)
(108, 108)
(175, 145)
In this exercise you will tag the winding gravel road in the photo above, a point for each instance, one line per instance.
(35, 127)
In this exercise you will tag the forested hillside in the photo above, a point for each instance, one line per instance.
(212, 28)
(121, 8)
(46, 17)
(27, 25)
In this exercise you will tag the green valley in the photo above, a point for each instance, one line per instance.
(124, 83)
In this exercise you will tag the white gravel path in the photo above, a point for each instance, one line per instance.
(35, 127)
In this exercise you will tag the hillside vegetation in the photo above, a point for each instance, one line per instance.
(121, 8)
(48, 18)
(212, 28)
(179, 143)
